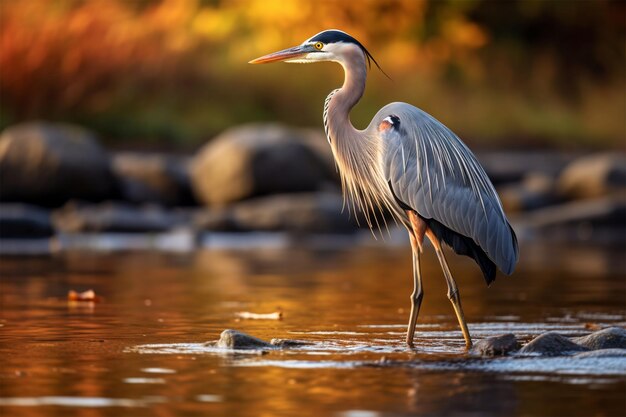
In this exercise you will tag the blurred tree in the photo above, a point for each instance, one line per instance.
(174, 71)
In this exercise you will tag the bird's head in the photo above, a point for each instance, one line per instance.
(329, 45)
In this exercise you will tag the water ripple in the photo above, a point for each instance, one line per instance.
(95, 402)
(438, 348)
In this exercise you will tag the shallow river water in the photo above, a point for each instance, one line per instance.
(141, 350)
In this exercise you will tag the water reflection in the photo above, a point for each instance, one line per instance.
(351, 304)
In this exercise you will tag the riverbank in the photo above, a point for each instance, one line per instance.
(59, 186)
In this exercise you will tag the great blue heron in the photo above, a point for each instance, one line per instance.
(409, 163)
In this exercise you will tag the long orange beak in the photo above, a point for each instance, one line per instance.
(284, 55)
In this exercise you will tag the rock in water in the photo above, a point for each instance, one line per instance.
(24, 221)
(495, 346)
(258, 160)
(48, 164)
(611, 338)
(551, 344)
(115, 217)
(233, 339)
(290, 343)
(535, 191)
(594, 176)
(603, 353)
(153, 178)
(316, 212)
(303, 212)
(601, 219)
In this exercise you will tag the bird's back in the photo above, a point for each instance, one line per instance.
(430, 170)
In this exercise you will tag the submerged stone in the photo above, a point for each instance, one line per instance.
(153, 178)
(603, 353)
(610, 338)
(311, 212)
(495, 346)
(233, 339)
(24, 221)
(289, 343)
(76, 217)
(551, 344)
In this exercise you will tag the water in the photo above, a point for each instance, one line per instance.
(142, 351)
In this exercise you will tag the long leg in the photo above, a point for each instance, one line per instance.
(416, 234)
(418, 293)
(453, 290)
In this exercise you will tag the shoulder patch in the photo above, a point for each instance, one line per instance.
(389, 122)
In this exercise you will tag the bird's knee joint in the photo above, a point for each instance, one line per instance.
(417, 296)
(453, 295)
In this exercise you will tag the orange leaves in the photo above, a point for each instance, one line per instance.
(463, 33)
(176, 69)
(81, 56)
(64, 58)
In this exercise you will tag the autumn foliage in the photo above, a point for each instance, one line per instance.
(175, 70)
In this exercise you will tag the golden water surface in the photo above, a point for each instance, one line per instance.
(141, 351)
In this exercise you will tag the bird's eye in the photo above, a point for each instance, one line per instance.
(318, 46)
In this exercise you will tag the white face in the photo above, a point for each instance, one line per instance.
(337, 52)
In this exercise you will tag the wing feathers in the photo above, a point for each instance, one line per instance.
(438, 176)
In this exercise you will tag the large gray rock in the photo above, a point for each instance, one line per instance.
(24, 221)
(495, 346)
(153, 178)
(551, 344)
(48, 164)
(300, 213)
(116, 217)
(610, 338)
(256, 160)
(233, 339)
(594, 176)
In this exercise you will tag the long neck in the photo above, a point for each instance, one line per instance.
(341, 101)
(355, 152)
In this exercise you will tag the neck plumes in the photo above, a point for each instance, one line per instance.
(356, 153)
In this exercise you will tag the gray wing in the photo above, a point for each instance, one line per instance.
(432, 171)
